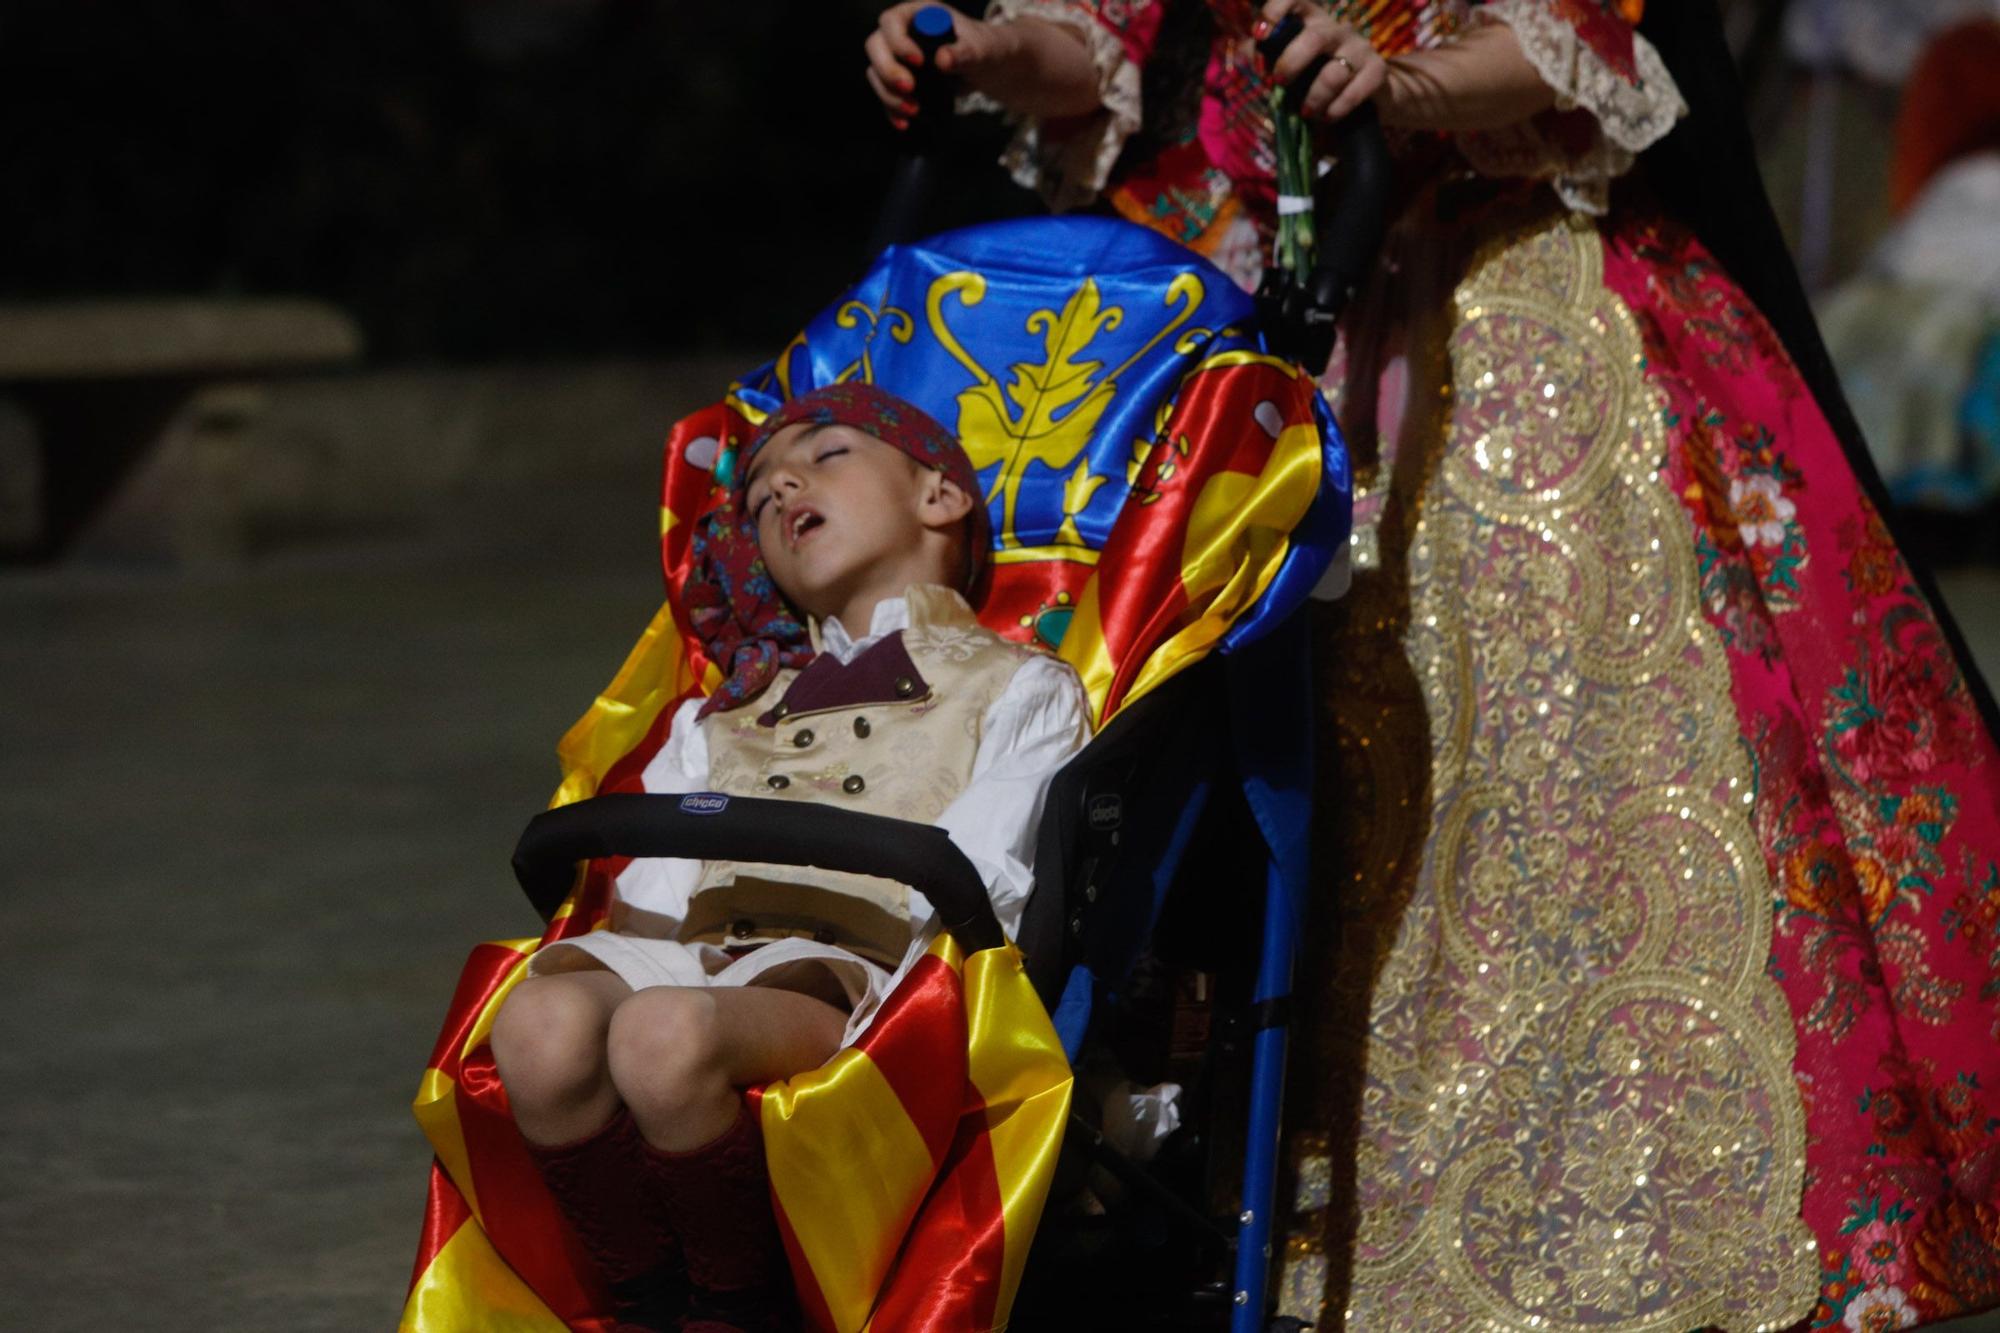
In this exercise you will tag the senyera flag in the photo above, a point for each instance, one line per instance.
(907, 1174)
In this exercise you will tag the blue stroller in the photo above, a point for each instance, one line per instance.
(1166, 487)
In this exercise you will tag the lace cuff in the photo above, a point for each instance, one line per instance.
(1069, 160)
(1603, 117)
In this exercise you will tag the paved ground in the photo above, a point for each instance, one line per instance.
(253, 821)
(253, 824)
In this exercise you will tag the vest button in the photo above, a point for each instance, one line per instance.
(905, 687)
(781, 710)
(861, 727)
(803, 739)
(852, 784)
(743, 928)
(777, 782)
(824, 935)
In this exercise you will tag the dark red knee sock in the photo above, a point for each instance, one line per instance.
(717, 1200)
(600, 1186)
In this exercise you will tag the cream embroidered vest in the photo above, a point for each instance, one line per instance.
(893, 732)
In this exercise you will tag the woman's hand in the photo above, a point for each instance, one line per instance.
(1477, 81)
(977, 49)
(1031, 66)
(1353, 72)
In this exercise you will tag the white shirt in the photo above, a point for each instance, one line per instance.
(1039, 721)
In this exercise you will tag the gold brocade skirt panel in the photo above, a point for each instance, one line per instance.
(1543, 1079)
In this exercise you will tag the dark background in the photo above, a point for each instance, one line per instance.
(470, 179)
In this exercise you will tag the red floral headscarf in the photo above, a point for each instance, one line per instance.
(743, 621)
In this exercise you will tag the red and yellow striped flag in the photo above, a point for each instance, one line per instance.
(910, 1170)
(494, 1252)
(908, 1173)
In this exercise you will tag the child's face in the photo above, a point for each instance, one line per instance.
(834, 509)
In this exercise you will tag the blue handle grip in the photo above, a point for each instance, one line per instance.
(932, 27)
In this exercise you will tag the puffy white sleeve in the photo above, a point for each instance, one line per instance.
(1039, 721)
(652, 893)
(1068, 162)
(1607, 108)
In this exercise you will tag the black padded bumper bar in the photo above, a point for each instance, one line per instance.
(706, 826)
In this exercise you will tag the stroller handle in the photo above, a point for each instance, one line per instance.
(910, 189)
(1355, 217)
(932, 29)
(1352, 208)
(708, 826)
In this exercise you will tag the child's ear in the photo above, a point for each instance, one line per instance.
(945, 503)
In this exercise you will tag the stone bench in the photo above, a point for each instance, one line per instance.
(88, 388)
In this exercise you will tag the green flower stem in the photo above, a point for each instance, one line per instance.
(1292, 248)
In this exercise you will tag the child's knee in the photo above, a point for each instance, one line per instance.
(664, 1047)
(548, 1039)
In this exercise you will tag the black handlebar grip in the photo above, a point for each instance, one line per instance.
(1350, 234)
(1352, 208)
(933, 28)
(908, 199)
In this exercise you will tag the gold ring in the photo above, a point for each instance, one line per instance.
(1342, 60)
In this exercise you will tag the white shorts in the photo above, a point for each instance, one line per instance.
(791, 964)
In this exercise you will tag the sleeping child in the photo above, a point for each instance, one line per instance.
(832, 592)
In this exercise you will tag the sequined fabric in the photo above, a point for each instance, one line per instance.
(1574, 1104)
(1662, 825)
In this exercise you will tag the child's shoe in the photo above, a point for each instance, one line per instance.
(717, 1200)
(599, 1186)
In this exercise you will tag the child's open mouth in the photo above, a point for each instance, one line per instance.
(803, 523)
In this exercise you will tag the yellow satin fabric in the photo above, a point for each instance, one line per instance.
(436, 1104)
(851, 1171)
(468, 1286)
(1237, 537)
(1236, 543)
(1016, 1062)
(655, 674)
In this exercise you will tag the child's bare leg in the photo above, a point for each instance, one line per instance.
(549, 1042)
(680, 1057)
